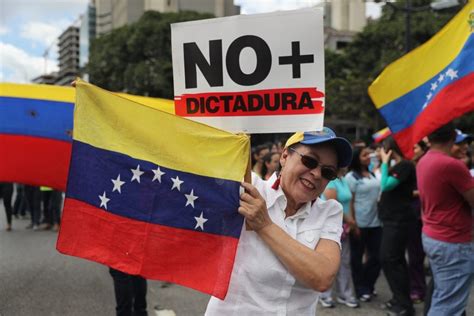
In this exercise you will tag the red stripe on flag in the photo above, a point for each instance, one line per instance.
(34, 160)
(453, 101)
(194, 259)
(251, 103)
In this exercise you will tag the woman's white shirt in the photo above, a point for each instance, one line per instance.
(260, 284)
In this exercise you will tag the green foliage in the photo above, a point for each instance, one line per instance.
(137, 58)
(350, 72)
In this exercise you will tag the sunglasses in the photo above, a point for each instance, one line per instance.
(327, 172)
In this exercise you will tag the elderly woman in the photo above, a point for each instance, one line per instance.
(290, 248)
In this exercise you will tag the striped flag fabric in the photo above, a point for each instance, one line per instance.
(36, 123)
(430, 86)
(153, 194)
(381, 134)
(35, 134)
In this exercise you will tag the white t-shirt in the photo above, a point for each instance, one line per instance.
(260, 284)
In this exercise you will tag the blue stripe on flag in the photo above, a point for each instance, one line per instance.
(33, 117)
(92, 171)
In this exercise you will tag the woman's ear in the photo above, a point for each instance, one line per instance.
(284, 157)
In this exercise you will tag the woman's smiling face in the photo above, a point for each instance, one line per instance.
(299, 183)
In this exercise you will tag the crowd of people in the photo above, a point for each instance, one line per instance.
(294, 250)
(385, 221)
(42, 205)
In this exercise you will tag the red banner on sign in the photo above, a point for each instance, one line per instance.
(287, 101)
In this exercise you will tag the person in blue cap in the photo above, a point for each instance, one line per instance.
(460, 149)
(289, 249)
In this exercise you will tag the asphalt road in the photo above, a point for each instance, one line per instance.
(36, 280)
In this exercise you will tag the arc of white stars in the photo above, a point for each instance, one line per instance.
(451, 73)
(103, 200)
(176, 183)
(136, 174)
(200, 221)
(158, 173)
(190, 198)
(441, 78)
(434, 86)
(429, 96)
(117, 184)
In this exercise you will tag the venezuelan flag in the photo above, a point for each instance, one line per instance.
(152, 194)
(381, 134)
(431, 85)
(35, 134)
(36, 123)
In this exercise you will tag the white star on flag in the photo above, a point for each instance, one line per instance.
(136, 174)
(117, 184)
(103, 200)
(434, 85)
(200, 221)
(425, 105)
(190, 198)
(441, 78)
(176, 183)
(451, 73)
(429, 96)
(158, 173)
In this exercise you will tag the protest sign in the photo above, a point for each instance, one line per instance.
(256, 74)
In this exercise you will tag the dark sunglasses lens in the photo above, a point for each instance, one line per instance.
(328, 173)
(309, 162)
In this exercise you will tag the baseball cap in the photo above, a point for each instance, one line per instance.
(326, 135)
(461, 137)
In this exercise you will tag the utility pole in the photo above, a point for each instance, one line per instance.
(407, 25)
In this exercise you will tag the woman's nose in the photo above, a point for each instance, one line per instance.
(316, 172)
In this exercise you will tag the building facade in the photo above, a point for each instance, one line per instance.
(343, 19)
(46, 79)
(345, 15)
(68, 48)
(87, 33)
(112, 14)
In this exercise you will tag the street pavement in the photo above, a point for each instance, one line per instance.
(37, 280)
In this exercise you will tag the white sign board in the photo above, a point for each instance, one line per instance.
(260, 73)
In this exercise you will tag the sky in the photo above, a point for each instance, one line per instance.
(29, 29)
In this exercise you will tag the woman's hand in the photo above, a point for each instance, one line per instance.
(385, 155)
(350, 221)
(253, 208)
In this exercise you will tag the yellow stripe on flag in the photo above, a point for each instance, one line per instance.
(37, 91)
(108, 121)
(67, 94)
(424, 62)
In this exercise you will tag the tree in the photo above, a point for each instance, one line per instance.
(349, 73)
(137, 58)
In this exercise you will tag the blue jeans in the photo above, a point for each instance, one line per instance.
(452, 265)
